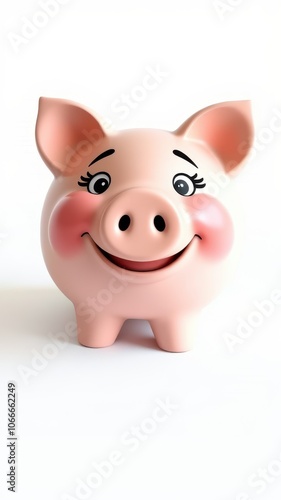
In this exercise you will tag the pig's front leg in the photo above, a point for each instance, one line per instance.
(174, 334)
(101, 331)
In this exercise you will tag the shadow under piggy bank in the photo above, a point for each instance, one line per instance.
(33, 316)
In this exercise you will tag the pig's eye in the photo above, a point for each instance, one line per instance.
(97, 183)
(186, 185)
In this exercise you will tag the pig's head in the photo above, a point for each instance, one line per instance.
(140, 197)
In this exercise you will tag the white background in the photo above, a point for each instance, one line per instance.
(74, 408)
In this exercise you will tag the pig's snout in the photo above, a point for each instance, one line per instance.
(142, 225)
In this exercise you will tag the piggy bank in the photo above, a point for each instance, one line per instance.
(129, 227)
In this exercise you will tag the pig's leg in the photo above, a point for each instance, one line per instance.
(101, 331)
(174, 334)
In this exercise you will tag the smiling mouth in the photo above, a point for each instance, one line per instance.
(141, 266)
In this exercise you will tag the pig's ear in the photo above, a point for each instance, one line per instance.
(66, 135)
(226, 128)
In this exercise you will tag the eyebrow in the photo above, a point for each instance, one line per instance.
(103, 155)
(184, 156)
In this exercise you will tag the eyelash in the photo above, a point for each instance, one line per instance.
(85, 180)
(197, 182)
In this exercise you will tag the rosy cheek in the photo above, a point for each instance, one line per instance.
(213, 223)
(71, 217)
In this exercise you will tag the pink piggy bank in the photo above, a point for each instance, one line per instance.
(129, 228)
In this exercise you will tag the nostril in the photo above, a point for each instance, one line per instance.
(124, 222)
(159, 223)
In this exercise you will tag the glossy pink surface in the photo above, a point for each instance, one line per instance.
(128, 227)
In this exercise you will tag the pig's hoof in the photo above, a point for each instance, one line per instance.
(101, 332)
(174, 336)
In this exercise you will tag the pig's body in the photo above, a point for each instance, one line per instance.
(139, 248)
